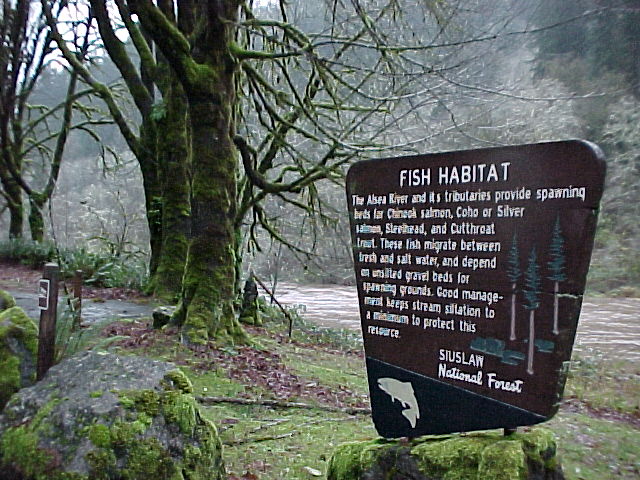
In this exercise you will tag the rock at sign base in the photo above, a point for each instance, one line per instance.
(99, 415)
(520, 456)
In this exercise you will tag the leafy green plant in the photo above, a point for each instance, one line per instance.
(68, 333)
(72, 337)
(99, 268)
(32, 254)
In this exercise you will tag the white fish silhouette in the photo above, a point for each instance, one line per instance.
(403, 392)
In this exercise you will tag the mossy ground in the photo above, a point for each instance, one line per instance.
(597, 428)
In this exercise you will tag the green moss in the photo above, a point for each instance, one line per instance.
(100, 435)
(453, 458)
(18, 352)
(20, 449)
(20, 325)
(6, 301)
(502, 461)
(9, 377)
(123, 433)
(484, 455)
(96, 394)
(102, 463)
(351, 460)
(148, 402)
(199, 74)
(36, 222)
(178, 379)
(148, 460)
(195, 330)
(181, 410)
(204, 461)
(176, 209)
(19, 445)
(540, 447)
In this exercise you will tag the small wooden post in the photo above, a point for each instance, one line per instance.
(48, 304)
(77, 297)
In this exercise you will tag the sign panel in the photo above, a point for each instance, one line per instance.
(470, 269)
(43, 294)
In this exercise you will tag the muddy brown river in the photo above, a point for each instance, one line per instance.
(607, 325)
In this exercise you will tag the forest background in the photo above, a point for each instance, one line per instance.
(500, 73)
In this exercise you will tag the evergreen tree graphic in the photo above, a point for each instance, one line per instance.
(531, 292)
(557, 267)
(513, 274)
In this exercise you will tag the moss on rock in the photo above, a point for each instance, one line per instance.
(6, 301)
(478, 456)
(18, 352)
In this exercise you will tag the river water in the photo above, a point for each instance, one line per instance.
(607, 325)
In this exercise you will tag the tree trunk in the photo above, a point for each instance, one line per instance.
(176, 209)
(147, 158)
(208, 290)
(16, 208)
(206, 69)
(532, 339)
(208, 287)
(36, 220)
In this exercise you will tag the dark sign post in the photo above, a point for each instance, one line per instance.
(48, 304)
(471, 269)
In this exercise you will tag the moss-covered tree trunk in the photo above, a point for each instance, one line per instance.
(36, 219)
(208, 290)
(209, 282)
(173, 153)
(201, 59)
(15, 205)
(147, 158)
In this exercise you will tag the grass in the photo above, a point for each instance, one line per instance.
(604, 383)
(598, 426)
(596, 449)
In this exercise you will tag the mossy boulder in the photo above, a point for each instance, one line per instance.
(6, 301)
(103, 416)
(528, 455)
(18, 352)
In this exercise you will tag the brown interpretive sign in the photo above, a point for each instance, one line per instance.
(470, 270)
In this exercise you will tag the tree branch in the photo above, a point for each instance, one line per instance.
(101, 89)
(118, 54)
(248, 157)
(173, 44)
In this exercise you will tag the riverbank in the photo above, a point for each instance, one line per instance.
(608, 325)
